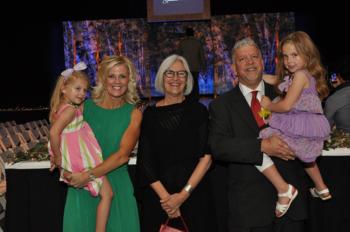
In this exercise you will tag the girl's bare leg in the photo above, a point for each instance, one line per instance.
(273, 175)
(314, 172)
(106, 196)
(286, 192)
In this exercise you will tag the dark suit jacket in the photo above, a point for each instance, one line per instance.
(233, 139)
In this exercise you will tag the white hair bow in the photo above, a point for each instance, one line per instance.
(78, 67)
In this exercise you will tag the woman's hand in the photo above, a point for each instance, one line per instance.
(78, 179)
(174, 214)
(171, 212)
(265, 102)
(173, 202)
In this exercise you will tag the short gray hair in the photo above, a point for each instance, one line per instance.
(167, 62)
(242, 43)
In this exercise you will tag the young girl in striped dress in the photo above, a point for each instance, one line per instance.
(73, 146)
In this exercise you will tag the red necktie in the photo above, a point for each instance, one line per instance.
(256, 107)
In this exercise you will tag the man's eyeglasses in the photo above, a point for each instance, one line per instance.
(180, 74)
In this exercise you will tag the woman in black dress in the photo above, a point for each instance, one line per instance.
(172, 155)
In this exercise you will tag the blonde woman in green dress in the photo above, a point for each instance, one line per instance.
(115, 121)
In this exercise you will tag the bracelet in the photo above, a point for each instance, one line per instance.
(188, 188)
(91, 175)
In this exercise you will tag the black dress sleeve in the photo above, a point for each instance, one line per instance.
(145, 171)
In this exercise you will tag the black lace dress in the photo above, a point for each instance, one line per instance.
(173, 139)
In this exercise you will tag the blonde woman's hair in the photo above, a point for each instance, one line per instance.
(57, 94)
(308, 50)
(165, 65)
(108, 62)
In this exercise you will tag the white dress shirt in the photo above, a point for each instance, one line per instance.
(247, 92)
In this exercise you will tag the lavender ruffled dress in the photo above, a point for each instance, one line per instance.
(304, 127)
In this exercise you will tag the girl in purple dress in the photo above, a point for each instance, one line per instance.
(298, 116)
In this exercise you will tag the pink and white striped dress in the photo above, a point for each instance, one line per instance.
(80, 149)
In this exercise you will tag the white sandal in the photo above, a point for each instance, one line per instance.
(283, 208)
(319, 194)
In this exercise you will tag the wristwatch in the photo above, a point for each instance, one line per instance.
(91, 176)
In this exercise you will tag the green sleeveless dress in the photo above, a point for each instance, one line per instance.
(80, 209)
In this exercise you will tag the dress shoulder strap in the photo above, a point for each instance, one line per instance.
(65, 106)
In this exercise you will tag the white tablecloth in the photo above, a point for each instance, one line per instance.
(132, 160)
(28, 165)
(44, 164)
(337, 152)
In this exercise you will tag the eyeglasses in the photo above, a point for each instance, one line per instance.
(180, 74)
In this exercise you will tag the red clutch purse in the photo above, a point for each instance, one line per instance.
(166, 228)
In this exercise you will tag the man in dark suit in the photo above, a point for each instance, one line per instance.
(233, 138)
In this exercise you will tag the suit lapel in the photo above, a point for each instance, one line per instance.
(242, 108)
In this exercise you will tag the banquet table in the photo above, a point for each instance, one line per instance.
(333, 215)
(36, 197)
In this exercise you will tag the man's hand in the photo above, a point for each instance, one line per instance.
(275, 146)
